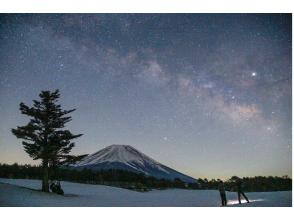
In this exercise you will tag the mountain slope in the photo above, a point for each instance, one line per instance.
(128, 158)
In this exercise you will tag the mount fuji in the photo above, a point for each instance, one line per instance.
(125, 157)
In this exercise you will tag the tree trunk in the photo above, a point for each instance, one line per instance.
(45, 180)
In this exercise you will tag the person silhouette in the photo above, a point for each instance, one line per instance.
(56, 187)
(222, 191)
(240, 190)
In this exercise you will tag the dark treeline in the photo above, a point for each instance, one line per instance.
(119, 178)
(141, 182)
(251, 184)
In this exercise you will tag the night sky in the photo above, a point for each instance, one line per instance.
(206, 94)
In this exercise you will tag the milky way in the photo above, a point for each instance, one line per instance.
(206, 94)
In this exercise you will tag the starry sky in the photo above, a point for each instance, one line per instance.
(206, 94)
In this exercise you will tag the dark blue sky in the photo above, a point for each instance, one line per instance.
(207, 94)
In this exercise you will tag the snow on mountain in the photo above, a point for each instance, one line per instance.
(128, 158)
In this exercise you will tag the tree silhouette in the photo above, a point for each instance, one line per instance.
(44, 137)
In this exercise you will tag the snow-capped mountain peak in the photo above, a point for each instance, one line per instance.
(116, 153)
(128, 158)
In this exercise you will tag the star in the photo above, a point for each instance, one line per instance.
(269, 129)
(253, 74)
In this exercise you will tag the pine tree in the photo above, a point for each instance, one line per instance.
(44, 136)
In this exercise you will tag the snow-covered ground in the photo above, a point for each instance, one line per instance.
(17, 192)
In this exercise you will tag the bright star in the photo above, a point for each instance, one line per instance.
(270, 129)
(253, 74)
